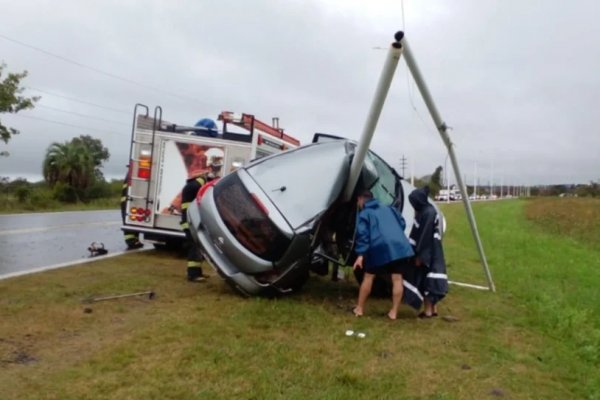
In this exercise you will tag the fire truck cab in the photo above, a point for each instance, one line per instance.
(162, 154)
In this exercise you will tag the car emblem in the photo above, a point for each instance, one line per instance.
(221, 240)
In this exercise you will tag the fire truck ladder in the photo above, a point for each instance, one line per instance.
(143, 146)
(250, 123)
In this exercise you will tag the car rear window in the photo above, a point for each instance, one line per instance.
(247, 221)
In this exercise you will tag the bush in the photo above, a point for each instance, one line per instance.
(98, 190)
(65, 193)
(42, 198)
(23, 193)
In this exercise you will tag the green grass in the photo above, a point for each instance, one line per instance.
(11, 205)
(538, 337)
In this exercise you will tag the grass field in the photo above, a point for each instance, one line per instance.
(12, 205)
(538, 337)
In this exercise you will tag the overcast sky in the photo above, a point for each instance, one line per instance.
(518, 81)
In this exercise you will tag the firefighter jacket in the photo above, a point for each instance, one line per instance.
(188, 195)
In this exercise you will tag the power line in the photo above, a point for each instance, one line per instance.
(403, 21)
(99, 71)
(80, 101)
(65, 124)
(82, 115)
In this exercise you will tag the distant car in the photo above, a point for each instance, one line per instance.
(265, 226)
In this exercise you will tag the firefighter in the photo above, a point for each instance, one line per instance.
(132, 239)
(196, 179)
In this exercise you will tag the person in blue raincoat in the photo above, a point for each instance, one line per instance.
(382, 248)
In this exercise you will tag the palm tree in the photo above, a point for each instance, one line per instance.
(71, 163)
(75, 164)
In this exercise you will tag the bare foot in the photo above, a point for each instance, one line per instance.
(391, 316)
(358, 312)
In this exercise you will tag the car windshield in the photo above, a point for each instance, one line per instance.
(247, 220)
(385, 187)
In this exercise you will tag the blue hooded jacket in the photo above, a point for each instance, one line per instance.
(380, 235)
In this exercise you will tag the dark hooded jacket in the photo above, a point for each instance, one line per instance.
(430, 278)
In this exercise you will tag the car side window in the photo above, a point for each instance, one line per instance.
(384, 189)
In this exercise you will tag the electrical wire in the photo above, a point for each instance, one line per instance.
(409, 86)
(82, 115)
(86, 128)
(99, 71)
(79, 101)
(403, 21)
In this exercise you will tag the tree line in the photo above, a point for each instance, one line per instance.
(72, 169)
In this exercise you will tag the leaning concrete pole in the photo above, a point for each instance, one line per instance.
(442, 129)
(385, 80)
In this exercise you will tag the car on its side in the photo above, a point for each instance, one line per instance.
(266, 226)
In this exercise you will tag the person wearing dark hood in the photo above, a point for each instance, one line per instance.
(426, 239)
(382, 248)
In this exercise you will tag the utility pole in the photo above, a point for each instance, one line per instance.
(492, 179)
(475, 182)
(447, 179)
(403, 165)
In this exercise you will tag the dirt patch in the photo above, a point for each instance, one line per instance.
(13, 352)
(20, 357)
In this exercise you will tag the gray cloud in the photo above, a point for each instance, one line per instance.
(516, 81)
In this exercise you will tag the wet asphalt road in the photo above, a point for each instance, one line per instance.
(29, 241)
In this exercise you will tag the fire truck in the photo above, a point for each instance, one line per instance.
(162, 153)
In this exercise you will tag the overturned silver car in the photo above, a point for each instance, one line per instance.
(266, 226)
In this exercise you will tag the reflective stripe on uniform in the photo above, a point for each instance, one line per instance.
(185, 225)
(200, 181)
(184, 206)
(192, 264)
(123, 199)
(124, 186)
(412, 288)
(435, 275)
(129, 236)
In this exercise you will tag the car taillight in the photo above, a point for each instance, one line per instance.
(259, 204)
(144, 164)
